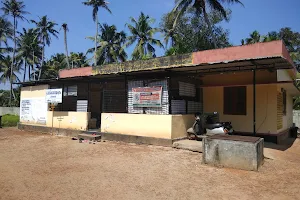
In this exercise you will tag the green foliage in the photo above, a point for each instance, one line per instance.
(110, 45)
(192, 34)
(4, 98)
(45, 29)
(58, 62)
(5, 70)
(96, 4)
(29, 50)
(290, 38)
(202, 8)
(142, 33)
(10, 120)
(6, 31)
(78, 60)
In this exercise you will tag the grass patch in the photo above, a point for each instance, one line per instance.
(10, 120)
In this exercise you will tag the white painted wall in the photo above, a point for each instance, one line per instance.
(283, 75)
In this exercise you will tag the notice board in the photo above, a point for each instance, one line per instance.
(33, 110)
(147, 96)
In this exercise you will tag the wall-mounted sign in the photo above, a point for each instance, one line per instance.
(33, 110)
(147, 96)
(54, 95)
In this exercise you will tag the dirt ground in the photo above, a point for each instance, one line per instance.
(35, 166)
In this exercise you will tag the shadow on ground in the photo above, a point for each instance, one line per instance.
(283, 147)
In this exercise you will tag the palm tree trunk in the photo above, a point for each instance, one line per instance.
(210, 27)
(95, 57)
(29, 73)
(33, 65)
(66, 47)
(43, 53)
(24, 76)
(12, 64)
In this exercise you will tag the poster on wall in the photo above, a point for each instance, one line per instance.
(33, 110)
(147, 96)
(54, 95)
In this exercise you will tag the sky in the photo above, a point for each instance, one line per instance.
(260, 15)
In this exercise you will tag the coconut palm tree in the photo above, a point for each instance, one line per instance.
(45, 30)
(78, 60)
(65, 27)
(29, 50)
(5, 66)
(255, 37)
(53, 65)
(110, 47)
(202, 7)
(96, 4)
(271, 36)
(168, 28)
(16, 10)
(142, 33)
(6, 32)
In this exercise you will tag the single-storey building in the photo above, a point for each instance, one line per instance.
(153, 101)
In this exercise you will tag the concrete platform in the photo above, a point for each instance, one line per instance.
(239, 152)
(191, 145)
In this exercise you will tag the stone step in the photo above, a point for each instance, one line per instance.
(191, 145)
(91, 137)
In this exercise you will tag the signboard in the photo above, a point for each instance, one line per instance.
(147, 96)
(33, 110)
(54, 95)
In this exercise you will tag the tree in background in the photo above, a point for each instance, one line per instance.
(255, 37)
(58, 62)
(290, 38)
(203, 7)
(271, 36)
(78, 60)
(45, 30)
(6, 32)
(96, 4)
(110, 45)
(29, 50)
(16, 10)
(192, 33)
(4, 98)
(6, 65)
(65, 27)
(142, 33)
(53, 65)
(168, 29)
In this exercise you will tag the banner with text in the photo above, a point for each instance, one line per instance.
(147, 96)
(54, 95)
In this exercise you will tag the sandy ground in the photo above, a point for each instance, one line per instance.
(35, 166)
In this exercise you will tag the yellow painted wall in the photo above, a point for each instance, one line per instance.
(158, 126)
(266, 112)
(34, 91)
(68, 120)
(287, 120)
(239, 78)
(180, 124)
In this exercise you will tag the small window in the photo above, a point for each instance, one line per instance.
(235, 100)
(70, 90)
